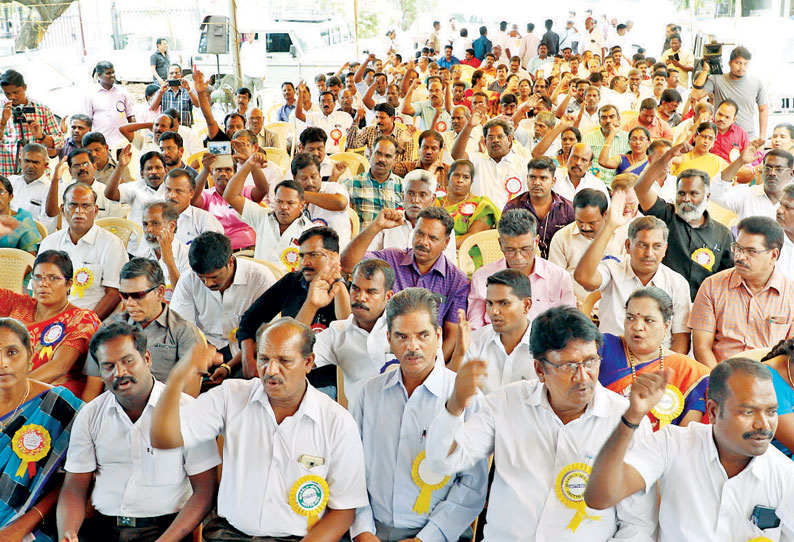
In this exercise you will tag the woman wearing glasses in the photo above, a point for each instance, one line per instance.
(633, 161)
(648, 317)
(59, 331)
(17, 228)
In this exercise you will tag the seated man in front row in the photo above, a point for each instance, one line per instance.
(293, 459)
(543, 434)
(140, 493)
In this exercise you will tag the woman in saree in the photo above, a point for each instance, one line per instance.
(59, 331)
(633, 161)
(17, 228)
(649, 311)
(470, 213)
(780, 361)
(34, 434)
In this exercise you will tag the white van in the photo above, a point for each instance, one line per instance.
(297, 48)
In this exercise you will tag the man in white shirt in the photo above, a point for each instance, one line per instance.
(574, 178)
(646, 245)
(215, 293)
(334, 122)
(571, 242)
(566, 415)
(138, 193)
(159, 244)
(144, 135)
(313, 140)
(180, 187)
(593, 39)
(785, 217)
(81, 169)
(419, 192)
(393, 411)
(326, 202)
(33, 185)
(757, 200)
(301, 447)
(278, 230)
(139, 493)
(504, 343)
(97, 255)
(741, 481)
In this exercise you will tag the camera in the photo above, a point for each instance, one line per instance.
(712, 54)
(20, 111)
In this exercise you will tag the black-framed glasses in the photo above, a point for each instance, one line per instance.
(573, 368)
(137, 295)
(738, 249)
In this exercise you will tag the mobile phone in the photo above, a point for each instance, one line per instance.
(676, 57)
(764, 517)
(174, 83)
(223, 150)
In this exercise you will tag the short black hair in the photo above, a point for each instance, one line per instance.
(411, 300)
(12, 78)
(230, 116)
(542, 162)
(517, 281)
(172, 136)
(742, 52)
(384, 107)
(182, 172)
(78, 152)
(294, 185)
(209, 252)
(590, 197)
(244, 90)
(780, 153)
(763, 225)
(150, 90)
(437, 213)
(313, 134)
(330, 237)
(303, 160)
(432, 134)
(368, 268)
(670, 95)
(118, 328)
(94, 137)
(56, 257)
(143, 267)
(719, 390)
(554, 328)
(145, 157)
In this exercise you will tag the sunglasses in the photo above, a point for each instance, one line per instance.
(136, 295)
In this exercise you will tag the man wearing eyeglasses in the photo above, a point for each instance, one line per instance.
(760, 199)
(566, 415)
(169, 336)
(97, 255)
(749, 306)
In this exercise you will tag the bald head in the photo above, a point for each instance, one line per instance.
(256, 119)
(579, 161)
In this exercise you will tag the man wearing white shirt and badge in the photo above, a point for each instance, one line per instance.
(159, 225)
(180, 187)
(32, 187)
(504, 343)
(139, 493)
(97, 255)
(576, 176)
(407, 500)
(293, 463)
(419, 192)
(326, 202)
(335, 123)
(744, 486)
(544, 435)
(138, 193)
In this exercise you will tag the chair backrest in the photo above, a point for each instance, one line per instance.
(355, 162)
(283, 129)
(466, 72)
(277, 271)
(121, 228)
(341, 398)
(724, 216)
(42, 229)
(756, 353)
(15, 264)
(196, 157)
(355, 222)
(279, 156)
(488, 243)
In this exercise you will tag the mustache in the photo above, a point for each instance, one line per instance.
(358, 305)
(123, 379)
(763, 433)
(276, 379)
(413, 354)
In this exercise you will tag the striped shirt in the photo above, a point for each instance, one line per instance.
(11, 136)
(740, 320)
(367, 136)
(180, 101)
(596, 140)
(368, 196)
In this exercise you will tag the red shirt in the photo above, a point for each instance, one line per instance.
(473, 62)
(734, 138)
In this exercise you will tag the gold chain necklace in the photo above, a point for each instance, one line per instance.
(27, 392)
(632, 362)
(445, 201)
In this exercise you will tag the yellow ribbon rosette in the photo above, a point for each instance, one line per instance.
(670, 406)
(760, 539)
(704, 257)
(309, 497)
(428, 481)
(83, 279)
(31, 443)
(50, 337)
(290, 258)
(570, 486)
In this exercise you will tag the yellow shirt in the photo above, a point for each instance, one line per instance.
(710, 163)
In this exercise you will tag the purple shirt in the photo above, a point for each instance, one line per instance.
(560, 215)
(240, 233)
(551, 286)
(447, 282)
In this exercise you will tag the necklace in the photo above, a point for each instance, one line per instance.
(632, 362)
(27, 392)
(445, 202)
(59, 310)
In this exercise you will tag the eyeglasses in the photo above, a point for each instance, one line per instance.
(573, 368)
(49, 279)
(524, 251)
(137, 295)
(737, 249)
(774, 169)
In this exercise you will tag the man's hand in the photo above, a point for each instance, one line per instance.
(371, 57)
(184, 84)
(751, 149)
(6, 114)
(207, 159)
(60, 169)
(337, 171)
(389, 218)
(198, 81)
(360, 114)
(258, 160)
(165, 238)
(470, 377)
(616, 216)
(199, 361)
(125, 157)
(302, 87)
(69, 536)
(476, 119)
(35, 129)
(242, 151)
(646, 392)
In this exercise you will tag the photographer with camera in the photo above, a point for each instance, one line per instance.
(23, 121)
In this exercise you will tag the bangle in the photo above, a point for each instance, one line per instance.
(227, 367)
(628, 423)
(40, 514)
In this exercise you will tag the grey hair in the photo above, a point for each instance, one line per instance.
(412, 300)
(692, 172)
(421, 175)
(143, 267)
(657, 294)
(788, 190)
(643, 223)
(515, 222)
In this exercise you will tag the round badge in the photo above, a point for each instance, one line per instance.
(83, 278)
(441, 193)
(318, 327)
(670, 406)
(30, 443)
(570, 486)
(308, 497)
(704, 257)
(319, 222)
(290, 258)
(513, 185)
(427, 481)
(336, 135)
(734, 154)
(120, 107)
(53, 333)
(468, 208)
(441, 126)
(390, 365)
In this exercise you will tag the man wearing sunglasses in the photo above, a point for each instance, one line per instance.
(566, 415)
(169, 336)
(759, 199)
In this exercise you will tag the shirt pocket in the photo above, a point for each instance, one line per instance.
(164, 357)
(162, 467)
(753, 532)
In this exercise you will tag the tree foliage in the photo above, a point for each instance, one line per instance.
(40, 14)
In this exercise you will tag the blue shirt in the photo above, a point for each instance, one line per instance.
(285, 110)
(785, 404)
(481, 46)
(444, 63)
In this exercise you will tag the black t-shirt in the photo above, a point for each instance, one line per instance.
(161, 62)
(691, 251)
